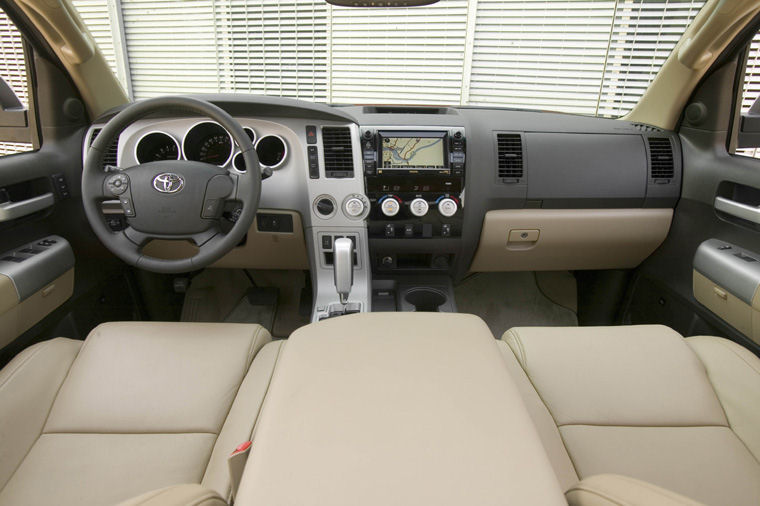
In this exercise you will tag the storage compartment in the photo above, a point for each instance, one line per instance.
(569, 239)
(425, 299)
(421, 294)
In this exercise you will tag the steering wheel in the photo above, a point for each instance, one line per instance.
(175, 199)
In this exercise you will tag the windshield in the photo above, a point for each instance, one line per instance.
(587, 57)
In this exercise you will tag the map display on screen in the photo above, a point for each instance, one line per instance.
(415, 152)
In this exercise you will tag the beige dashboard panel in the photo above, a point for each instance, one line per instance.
(262, 250)
(731, 309)
(21, 316)
(569, 239)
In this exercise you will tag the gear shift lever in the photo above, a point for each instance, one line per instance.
(343, 265)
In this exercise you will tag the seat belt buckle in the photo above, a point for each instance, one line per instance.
(236, 464)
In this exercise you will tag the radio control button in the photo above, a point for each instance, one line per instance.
(447, 207)
(390, 206)
(419, 207)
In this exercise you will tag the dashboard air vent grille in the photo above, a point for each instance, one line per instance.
(510, 153)
(112, 152)
(339, 156)
(661, 165)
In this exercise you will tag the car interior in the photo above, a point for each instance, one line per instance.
(254, 299)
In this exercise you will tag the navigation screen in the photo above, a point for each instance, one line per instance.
(413, 152)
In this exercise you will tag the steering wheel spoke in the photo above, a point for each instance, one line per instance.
(136, 237)
(203, 238)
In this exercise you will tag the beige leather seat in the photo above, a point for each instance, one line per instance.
(137, 407)
(643, 402)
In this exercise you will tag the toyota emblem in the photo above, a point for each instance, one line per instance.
(168, 182)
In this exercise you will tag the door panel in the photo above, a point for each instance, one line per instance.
(663, 289)
(66, 301)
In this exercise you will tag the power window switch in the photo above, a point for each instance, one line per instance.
(390, 230)
(446, 230)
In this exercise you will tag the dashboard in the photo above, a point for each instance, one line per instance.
(426, 190)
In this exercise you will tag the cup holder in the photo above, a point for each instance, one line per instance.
(425, 299)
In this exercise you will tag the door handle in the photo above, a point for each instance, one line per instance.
(743, 211)
(12, 210)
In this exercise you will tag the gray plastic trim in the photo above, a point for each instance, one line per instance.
(726, 268)
(37, 270)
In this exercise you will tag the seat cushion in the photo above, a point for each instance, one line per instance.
(637, 401)
(141, 408)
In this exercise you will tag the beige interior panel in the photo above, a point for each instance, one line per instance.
(569, 239)
(68, 36)
(22, 316)
(262, 250)
(733, 310)
(8, 294)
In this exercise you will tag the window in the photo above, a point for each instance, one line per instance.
(750, 93)
(15, 131)
(591, 57)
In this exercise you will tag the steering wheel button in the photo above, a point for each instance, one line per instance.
(211, 208)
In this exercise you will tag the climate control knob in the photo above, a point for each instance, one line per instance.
(353, 206)
(419, 207)
(390, 206)
(447, 207)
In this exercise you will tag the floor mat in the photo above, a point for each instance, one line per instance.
(217, 295)
(258, 305)
(513, 299)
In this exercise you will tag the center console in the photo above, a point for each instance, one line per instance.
(408, 408)
(414, 179)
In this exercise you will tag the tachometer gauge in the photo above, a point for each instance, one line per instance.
(208, 142)
(155, 147)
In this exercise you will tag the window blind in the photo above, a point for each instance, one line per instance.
(95, 15)
(12, 63)
(589, 57)
(642, 37)
(172, 46)
(273, 48)
(13, 71)
(399, 56)
(751, 88)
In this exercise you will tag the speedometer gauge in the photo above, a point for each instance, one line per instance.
(215, 149)
(208, 142)
(155, 147)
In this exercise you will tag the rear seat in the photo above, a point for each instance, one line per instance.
(645, 403)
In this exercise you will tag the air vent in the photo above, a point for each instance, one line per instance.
(510, 154)
(661, 167)
(112, 152)
(339, 156)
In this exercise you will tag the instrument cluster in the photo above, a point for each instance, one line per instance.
(209, 142)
